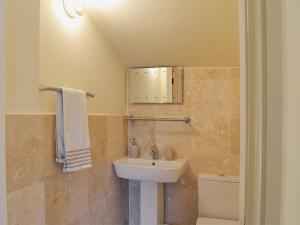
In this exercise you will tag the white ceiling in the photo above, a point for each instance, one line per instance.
(171, 32)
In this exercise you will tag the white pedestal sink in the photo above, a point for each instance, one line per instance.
(152, 174)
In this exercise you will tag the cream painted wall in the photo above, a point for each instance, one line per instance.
(193, 33)
(22, 29)
(291, 71)
(74, 53)
(47, 47)
(3, 213)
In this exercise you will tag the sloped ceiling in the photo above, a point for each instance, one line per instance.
(171, 32)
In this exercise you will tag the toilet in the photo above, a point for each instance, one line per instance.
(218, 200)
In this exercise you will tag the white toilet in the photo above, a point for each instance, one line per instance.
(218, 200)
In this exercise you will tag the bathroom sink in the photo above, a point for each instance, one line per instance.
(152, 174)
(158, 171)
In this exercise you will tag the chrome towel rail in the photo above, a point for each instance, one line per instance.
(44, 87)
(186, 119)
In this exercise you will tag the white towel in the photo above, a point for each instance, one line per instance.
(72, 130)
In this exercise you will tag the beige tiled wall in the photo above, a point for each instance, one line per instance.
(40, 194)
(210, 142)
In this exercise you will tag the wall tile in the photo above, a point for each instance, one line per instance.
(116, 141)
(98, 134)
(48, 148)
(27, 206)
(92, 196)
(24, 154)
(181, 208)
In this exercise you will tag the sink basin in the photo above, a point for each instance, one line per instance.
(158, 171)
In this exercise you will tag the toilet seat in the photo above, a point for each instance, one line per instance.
(211, 221)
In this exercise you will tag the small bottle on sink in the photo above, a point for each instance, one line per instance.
(134, 149)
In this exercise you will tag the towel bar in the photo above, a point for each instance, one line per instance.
(44, 87)
(186, 119)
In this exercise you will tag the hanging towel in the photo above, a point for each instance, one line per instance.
(72, 131)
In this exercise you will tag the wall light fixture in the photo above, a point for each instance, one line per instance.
(74, 8)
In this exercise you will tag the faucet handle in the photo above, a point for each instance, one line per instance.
(154, 151)
(154, 147)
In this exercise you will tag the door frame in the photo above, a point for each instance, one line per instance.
(242, 16)
(254, 109)
(3, 207)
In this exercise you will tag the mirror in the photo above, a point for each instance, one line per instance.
(157, 85)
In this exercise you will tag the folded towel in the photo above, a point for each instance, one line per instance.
(72, 131)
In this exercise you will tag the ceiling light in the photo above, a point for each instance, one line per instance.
(74, 8)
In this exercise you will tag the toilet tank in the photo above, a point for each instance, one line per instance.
(218, 197)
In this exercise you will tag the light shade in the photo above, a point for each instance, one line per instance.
(74, 8)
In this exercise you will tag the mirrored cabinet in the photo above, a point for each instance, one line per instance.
(157, 85)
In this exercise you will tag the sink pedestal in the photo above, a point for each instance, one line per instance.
(152, 203)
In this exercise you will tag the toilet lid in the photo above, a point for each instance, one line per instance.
(211, 221)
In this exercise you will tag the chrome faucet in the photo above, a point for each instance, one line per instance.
(154, 152)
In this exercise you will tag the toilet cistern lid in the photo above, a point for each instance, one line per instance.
(212, 221)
